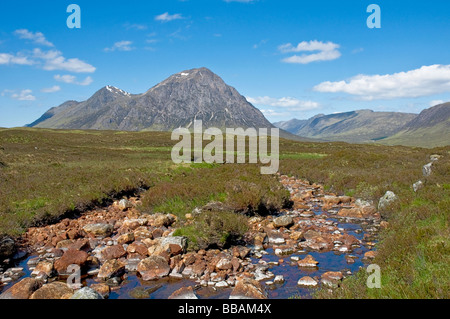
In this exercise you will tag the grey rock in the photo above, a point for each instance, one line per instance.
(164, 244)
(86, 293)
(435, 157)
(386, 200)
(426, 170)
(7, 247)
(283, 221)
(125, 204)
(417, 186)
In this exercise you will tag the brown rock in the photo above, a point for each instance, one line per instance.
(132, 224)
(153, 267)
(125, 238)
(45, 267)
(65, 243)
(113, 252)
(73, 234)
(248, 289)
(99, 230)
(331, 278)
(312, 235)
(81, 244)
(241, 251)
(160, 220)
(102, 289)
(54, 290)
(138, 247)
(351, 213)
(168, 246)
(199, 267)
(157, 233)
(261, 239)
(224, 264)
(57, 239)
(236, 263)
(308, 262)
(333, 275)
(184, 293)
(370, 254)
(331, 200)
(297, 235)
(142, 233)
(111, 268)
(300, 206)
(70, 257)
(283, 221)
(22, 290)
(307, 282)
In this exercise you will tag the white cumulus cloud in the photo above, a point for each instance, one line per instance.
(71, 79)
(54, 60)
(36, 37)
(8, 59)
(291, 103)
(425, 81)
(23, 95)
(324, 51)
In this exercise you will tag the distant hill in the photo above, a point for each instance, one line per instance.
(355, 127)
(292, 126)
(430, 129)
(176, 102)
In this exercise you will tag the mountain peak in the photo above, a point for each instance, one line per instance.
(195, 94)
(115, 90)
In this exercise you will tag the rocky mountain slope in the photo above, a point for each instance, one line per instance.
(431, 128)
(354, 127)
(176, 102)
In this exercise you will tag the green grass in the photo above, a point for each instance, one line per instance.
(301, 156)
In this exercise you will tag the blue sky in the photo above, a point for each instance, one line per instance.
(289, 58)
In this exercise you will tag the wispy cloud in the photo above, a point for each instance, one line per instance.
(135, 26)
(284, 102)
(50, 60)
(325, 52)
(260, 44)
(70, 79)
(290, 103)
(36, 37)
(273, 113)
(166, 17)
(54, 60)
(121, 46)
(427, 80)
(9, 59)
(53, 89)
(23, 95)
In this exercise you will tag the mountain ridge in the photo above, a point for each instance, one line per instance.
(196, 94)
(429, 128)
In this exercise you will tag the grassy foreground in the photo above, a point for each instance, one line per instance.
(45, 174)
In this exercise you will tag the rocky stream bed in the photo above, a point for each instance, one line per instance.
(122, 254)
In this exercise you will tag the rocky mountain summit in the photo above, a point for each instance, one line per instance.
(196, 94)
